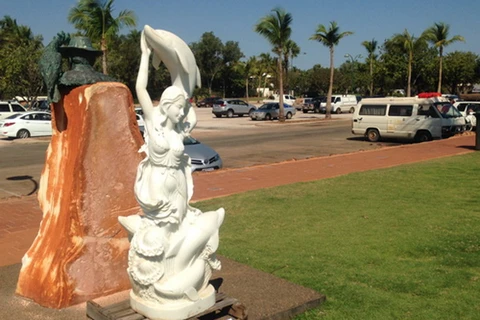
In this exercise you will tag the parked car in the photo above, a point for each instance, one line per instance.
(451, 97)
(41, 105)
(202, 157)
(232, 107)
(288, 99)
(418, 119)
(27, 124)
(467, 109)
(7, 108)
(313, 104)
(141, 123)
(271, 110)
(340, 103)
(207, 102)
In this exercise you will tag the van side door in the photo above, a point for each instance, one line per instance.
(401, 122)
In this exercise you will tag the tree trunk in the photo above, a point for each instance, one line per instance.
(371, 76)
(409, 78)
(104, 56)
(246, 89)
(281, 111)
(440, 67)
(328, 112)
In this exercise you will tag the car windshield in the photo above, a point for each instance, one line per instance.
(189, 141)
(447, 110)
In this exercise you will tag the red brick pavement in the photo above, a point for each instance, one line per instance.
(20, 217)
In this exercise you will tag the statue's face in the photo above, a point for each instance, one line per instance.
(175, 111)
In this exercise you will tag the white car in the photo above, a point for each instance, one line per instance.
(468, 109)
(26, 124)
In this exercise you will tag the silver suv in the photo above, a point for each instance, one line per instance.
(7, 108)
(232, 107)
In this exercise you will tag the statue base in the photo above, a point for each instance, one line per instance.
(175, 310)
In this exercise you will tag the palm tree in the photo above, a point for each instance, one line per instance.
(409, 43)
(94, 18)
(438, 36)
(330, 38)
(247, 70)
(291, 50)
(275, 27)
(371, 47)
(266, 67)
(13, 35)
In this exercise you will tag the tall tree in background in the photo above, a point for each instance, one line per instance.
(275, 27)
(371, 47)
(20, 50)
(461, 71)
(409, 44)
(248, 69)
(291, 50)
(267, 68)
(438, 36)
(330, 38)
(209, 56)
(94, 18)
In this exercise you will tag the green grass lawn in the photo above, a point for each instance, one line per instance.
(398, 243)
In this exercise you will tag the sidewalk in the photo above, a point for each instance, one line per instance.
(20, 217)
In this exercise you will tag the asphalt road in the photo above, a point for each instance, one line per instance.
(241, 142)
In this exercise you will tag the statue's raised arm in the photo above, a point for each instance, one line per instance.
(180, 62)
(142, 80)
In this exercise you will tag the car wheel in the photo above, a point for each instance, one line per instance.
(305, 111)
(268, 116)
(218, 115)
(289, 115)
(423, 136)
(23, 134)
(373, 135)
(338, 111)
(230, 113)
(352, 110)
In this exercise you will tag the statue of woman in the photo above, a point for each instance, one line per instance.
(173, 245)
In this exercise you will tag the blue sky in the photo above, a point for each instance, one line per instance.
(235, 19)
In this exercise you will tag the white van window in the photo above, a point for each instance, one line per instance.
(373, 110)
(4, 108)
(17, 108)
(424, 110)
(400, 111)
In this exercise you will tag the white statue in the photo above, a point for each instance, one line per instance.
(172, 251)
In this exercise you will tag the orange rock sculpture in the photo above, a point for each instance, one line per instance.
(80, 251)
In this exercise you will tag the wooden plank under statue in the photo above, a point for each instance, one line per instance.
(80, 251)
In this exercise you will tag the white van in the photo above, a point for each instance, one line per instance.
(406, 118)
(341, 103)
(7, 108)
